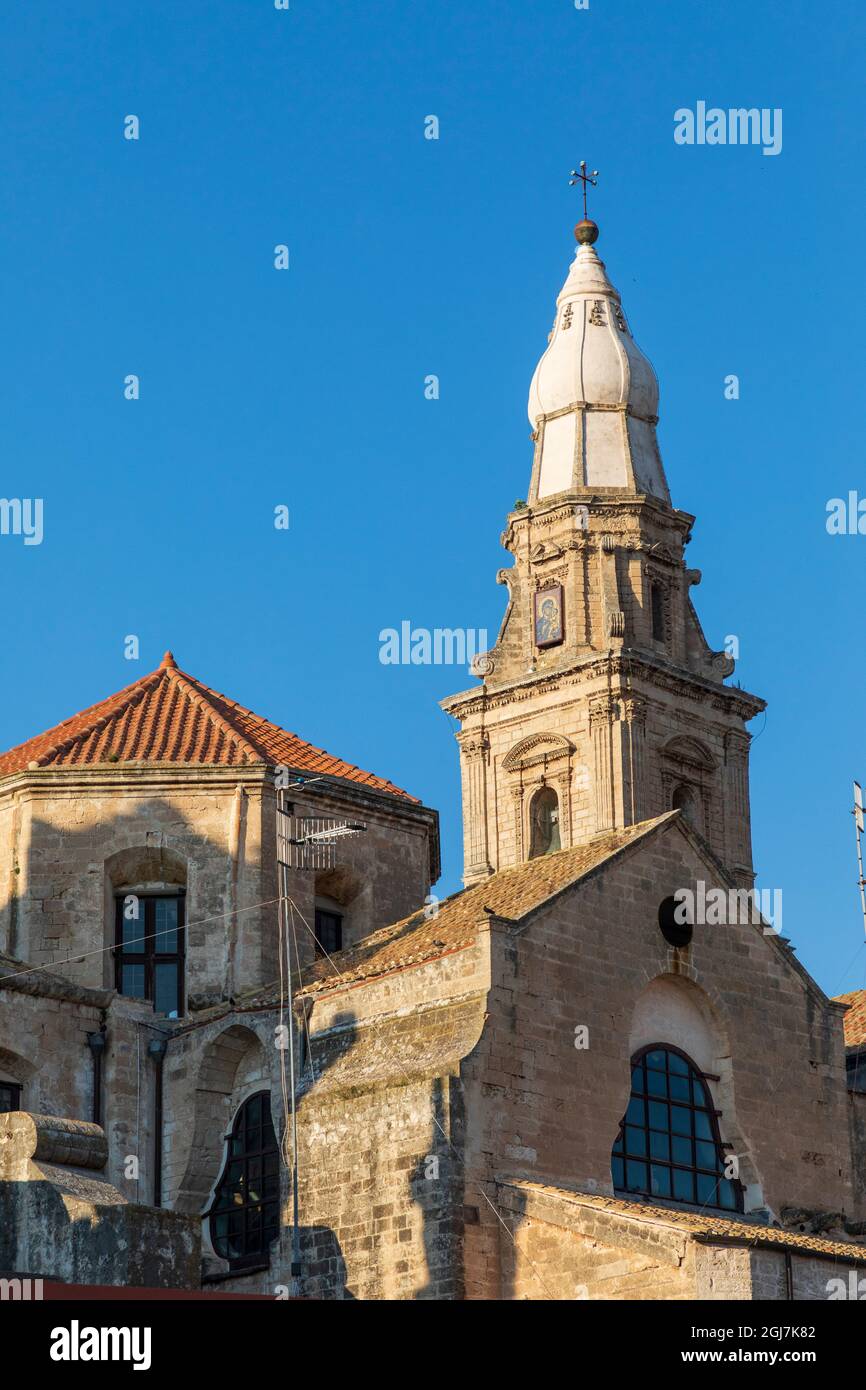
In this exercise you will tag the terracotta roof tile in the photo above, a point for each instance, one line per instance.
(854, 1021)
(511, 894)
(170, 717)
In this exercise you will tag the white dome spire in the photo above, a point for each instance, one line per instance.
(593, 401)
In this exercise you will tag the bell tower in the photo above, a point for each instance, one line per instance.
(601, 703)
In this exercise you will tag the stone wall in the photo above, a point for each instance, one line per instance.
(75, 839)
(561, 1248)
(542, 1107)
(62, 1221)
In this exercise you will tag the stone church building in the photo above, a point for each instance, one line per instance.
(596, 1072)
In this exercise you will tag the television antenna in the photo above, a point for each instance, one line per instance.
(858, 832)
(303, 842)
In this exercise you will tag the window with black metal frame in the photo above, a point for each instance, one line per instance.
(669, 1146)
(149, 949)
(244, 1215)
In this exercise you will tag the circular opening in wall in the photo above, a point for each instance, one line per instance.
(675, 931)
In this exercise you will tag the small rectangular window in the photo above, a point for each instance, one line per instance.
(329, 932)
(10, 1096)
(149, 949)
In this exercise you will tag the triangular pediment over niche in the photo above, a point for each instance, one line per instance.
(546, 551)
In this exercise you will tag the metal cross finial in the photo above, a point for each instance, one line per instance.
(581, 176)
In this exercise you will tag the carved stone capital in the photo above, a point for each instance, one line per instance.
(603, 710)
(474, 745)
(634, 709)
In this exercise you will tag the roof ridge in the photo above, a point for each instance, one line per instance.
(169, 715)
(134, 694)
(198, 694)
(262, 721)
(260, 718)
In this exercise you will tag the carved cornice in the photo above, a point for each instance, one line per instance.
(698, 690)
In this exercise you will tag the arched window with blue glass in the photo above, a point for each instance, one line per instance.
(244, 1215)
(669, 1146)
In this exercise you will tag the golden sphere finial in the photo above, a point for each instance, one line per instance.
(586, 232)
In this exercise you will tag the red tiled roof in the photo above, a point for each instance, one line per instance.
(854, 1021)
(509, 894)
(170, 717)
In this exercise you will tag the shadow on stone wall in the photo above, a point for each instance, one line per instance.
(436, 1186)
(60, 1220)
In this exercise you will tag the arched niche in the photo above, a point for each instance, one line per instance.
(233, 1065)
(538, 762)
(544, 830)
(675, 1011)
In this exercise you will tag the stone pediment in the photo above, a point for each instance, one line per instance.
(546, 550)
(535, 750)
(690, 752)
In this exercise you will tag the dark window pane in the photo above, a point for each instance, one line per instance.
(681, 1120)
(705, 1155)
(726, 1195)
(658, 1115)
(703, 1128)
(657, 1083)
(10, 1096)
(661, 1181)
(681, 1150)
(329, 932)
(635, 1140)
(165, 926)
(680, 1088)
(635, 1176)
(684, 1185)
(165, 998)
(707, 1187)
(660, 1145)
(635, 1113)
(134, 931)
(132, 981)
(683, 1168)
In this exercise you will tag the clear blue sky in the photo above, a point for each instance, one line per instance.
(410, 257)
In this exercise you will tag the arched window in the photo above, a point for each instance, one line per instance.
(244, 1217)
(544, 823)
(668, 1145)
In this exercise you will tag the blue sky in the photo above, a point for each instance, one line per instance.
(410, 257)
